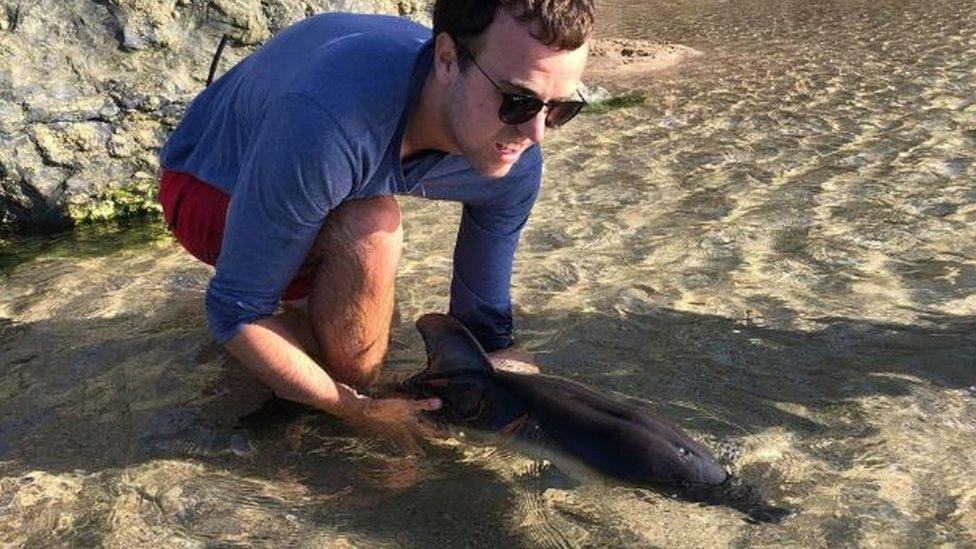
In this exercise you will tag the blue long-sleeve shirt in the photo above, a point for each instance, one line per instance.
(314, 118)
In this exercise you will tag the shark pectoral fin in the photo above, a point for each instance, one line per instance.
(450, 346)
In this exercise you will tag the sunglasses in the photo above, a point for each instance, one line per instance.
(517, 108)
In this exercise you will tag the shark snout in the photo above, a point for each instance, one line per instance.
(712, 473)
(699, 466)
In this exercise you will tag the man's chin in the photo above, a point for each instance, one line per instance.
(493, 170)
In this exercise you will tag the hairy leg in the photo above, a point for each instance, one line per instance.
(351, 303)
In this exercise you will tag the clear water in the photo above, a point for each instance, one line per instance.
(777, 252)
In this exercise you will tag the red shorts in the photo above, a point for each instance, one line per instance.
(195, 212)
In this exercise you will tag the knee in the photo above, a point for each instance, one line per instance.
(369, 225)
(352, 296)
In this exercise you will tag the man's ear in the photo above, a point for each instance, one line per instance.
(446, 66)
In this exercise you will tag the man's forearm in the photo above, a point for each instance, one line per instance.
(271, 351)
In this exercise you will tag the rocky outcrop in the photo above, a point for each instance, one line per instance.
(89, 89)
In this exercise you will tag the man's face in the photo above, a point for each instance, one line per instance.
(518, 63)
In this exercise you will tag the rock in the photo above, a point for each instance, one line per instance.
(90, 90)
(12, 118)
(147, 23)
(183, 432)
(21, 160)
(245, 19)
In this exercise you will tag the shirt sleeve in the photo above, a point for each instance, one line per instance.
(484, 255)
(297, 168)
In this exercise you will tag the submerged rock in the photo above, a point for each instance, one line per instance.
(182, 432)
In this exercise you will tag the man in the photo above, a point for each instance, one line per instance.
(282, 175)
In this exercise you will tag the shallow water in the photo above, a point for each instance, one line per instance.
(777, 252)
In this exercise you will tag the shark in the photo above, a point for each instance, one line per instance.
(582, 432)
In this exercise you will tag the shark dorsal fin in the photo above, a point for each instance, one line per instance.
(450, 346)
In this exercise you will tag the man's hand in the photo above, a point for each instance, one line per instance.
(397, 410)
(360, 409)
(395, 419)
(514, 360)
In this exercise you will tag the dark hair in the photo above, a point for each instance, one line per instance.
(564, 24)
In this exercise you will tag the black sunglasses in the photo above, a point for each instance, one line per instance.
(517, 108)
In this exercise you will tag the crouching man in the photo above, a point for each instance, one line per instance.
(283, 175)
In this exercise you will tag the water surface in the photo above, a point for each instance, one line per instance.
(777, 251)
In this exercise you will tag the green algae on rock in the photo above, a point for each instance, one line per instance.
(137, 199)
(616, 102)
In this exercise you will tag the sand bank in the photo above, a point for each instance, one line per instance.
(621, 63)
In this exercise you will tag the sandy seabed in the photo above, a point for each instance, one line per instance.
(776, 251)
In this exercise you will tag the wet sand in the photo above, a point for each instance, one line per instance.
(777, 252)
(622, 63)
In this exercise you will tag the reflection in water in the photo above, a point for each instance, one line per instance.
(777, 252)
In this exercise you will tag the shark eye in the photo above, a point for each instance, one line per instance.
(683, 451)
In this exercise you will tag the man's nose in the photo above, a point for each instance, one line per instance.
(535, 127)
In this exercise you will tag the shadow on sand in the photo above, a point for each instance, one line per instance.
(105, 394)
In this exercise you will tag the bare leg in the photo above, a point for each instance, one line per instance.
(350, 307)
(351, 303)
